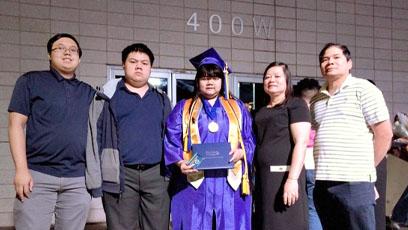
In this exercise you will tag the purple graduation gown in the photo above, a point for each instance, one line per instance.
(194, 208)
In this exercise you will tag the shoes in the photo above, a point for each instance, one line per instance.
(394, 226)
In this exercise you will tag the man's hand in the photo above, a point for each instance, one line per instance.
(23, 184)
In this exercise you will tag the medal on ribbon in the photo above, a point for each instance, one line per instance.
(213, 127)
(212, 114)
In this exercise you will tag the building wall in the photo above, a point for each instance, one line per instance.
(248, 33)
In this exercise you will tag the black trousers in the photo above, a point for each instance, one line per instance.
(381, 185)
(144, 204)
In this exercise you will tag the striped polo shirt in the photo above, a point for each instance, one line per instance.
(344, 149)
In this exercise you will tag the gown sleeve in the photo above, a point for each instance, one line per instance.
(173, 139)
(247, 133)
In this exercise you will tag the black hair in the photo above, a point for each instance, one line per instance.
(344, 48)
(208, 70)
(137, 47)
(288, 78)
(58, 36)
(371, 81)
(305, 84)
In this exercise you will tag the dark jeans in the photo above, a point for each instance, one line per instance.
(400, 211)
(314, 221)
(345, 205)
(144, 204)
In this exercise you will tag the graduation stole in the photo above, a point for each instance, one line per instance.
(191, 111)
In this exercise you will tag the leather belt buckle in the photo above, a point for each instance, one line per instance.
(141, 167)
(279, 168)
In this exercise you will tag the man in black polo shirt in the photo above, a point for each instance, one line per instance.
(130, 127)
(48, 115)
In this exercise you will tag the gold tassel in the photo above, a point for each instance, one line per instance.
(245, 185)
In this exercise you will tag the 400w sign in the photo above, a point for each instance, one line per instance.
(262, 26)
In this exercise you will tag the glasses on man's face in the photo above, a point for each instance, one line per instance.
(63, 49)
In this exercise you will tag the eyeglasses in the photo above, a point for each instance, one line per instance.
(63, 49)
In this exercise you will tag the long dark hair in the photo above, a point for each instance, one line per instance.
(288, 78)
(208, 70)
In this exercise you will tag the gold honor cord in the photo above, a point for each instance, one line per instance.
(245, 179)
(226, 89)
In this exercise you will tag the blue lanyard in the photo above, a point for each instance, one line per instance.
(211, 111)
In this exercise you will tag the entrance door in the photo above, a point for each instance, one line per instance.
(249, 89)
(159, 78)
(183, 86)
(180, 85)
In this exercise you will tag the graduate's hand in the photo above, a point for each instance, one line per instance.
(290, 192)
(23, 184)
(185, 168)
(236, 155)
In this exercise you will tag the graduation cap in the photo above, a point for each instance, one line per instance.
(211, 56)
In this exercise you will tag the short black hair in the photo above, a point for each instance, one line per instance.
(344, 48)
(305, 84)
(137, 47)
(62, 35)
(371, 81)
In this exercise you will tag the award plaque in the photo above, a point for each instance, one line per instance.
(211, 156)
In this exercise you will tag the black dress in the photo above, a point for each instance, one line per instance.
(274, 147)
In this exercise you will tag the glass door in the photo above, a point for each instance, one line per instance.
(158, 78)
(183, 86)
(180, 85)
(249, 89)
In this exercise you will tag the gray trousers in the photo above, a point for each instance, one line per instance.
(66, 197)
(144, 204)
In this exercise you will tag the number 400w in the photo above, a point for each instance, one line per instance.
(215, 24)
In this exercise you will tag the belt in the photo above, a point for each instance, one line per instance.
(141, 167)
(279, 168)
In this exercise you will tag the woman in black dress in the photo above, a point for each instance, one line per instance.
(282, 129)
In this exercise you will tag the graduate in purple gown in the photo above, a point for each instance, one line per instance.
(210, 199)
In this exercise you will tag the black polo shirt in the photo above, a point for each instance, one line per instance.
(139, 123)
(56, 131)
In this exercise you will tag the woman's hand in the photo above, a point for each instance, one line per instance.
(185, 168)
(236, 155)
(290, 192)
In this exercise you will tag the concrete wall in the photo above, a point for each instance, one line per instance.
(396, 181)
(248, 33)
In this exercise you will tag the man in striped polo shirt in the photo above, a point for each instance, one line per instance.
(353, 136)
